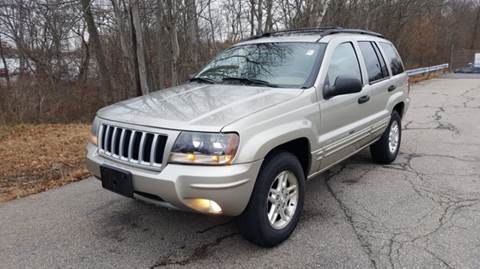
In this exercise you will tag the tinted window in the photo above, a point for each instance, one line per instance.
(383, 65)
(283, 64)
(393, 58)
(344, 63)
(375, 69)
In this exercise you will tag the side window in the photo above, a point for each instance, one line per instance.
(376, 67)
(344, 63)
(383, 65)
(392, 56)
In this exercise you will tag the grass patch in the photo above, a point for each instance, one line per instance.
(35, 158)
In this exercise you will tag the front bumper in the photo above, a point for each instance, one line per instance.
(229, 186)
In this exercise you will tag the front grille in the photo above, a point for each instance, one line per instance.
(133, 146)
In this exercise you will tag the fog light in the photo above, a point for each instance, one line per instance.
(204, 205)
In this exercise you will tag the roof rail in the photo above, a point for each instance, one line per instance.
(322, 31)
(350, 31)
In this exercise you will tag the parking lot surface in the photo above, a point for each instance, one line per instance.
(423, 211)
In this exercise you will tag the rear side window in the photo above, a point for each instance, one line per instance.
(344, 63)
(392, 55)
(374, 61)
(383, 65)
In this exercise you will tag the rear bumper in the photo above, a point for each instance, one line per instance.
(229, 186)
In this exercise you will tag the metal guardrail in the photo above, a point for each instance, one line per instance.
(424, 70)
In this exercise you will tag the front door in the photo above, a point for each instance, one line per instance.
(341, 115)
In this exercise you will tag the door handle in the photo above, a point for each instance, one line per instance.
(363, 99)
(392, 88)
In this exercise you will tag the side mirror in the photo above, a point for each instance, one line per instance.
(343, 85)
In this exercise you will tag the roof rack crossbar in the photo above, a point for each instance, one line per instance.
(295, 31)
(322, 31)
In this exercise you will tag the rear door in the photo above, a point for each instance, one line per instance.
(399, 79)
(377, 89)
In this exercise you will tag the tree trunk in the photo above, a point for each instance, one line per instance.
(325, 6)
(259, 16)
(475, 30)
(174, 41)
(2, 55)
(83, 72)
(21, 38)
(97, 47)
(162, 44)
(252, 17)
(140, 46)
(192, 29)
(269, 19)
(125, 45)
(212, 27)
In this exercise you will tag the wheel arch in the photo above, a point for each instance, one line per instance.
(400, 108)
(300, 147)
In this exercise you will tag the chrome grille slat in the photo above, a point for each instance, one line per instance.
(140, 148)
(112, 141)
(153, 149)
(122, 141)
(106, 137)
(130, 145)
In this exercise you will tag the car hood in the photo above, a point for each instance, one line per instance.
(194, 106)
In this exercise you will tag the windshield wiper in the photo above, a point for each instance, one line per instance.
(203, 79)
(251, 81)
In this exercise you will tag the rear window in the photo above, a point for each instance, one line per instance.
(376, 67)
(394, 59)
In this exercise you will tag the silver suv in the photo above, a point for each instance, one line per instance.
(244, 134)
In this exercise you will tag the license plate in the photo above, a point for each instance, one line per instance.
(117, 180)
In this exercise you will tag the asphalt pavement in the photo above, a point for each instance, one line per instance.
(422, 211)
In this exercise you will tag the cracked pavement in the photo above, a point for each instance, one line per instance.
(422, 211)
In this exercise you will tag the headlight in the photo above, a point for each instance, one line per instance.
(94, 131)
(204, 148)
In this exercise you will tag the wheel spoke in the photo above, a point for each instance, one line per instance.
(284, 179)
(284, 216)
(274, 191)
(292, 187)
(274, 217)
(292, 194)
(271, 198)
(280, 179)
(271, 212)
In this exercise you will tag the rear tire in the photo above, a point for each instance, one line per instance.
(386, 149)
(276, 202)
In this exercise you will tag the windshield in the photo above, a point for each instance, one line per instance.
(268, 64)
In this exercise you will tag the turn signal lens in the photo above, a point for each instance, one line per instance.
(191, 157)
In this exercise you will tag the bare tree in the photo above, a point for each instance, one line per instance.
(175, 50)
(122, 17)
(2, 55)
(139, 45)
(97, 46)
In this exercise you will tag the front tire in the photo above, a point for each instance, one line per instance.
(276, 202)
(386, 149)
